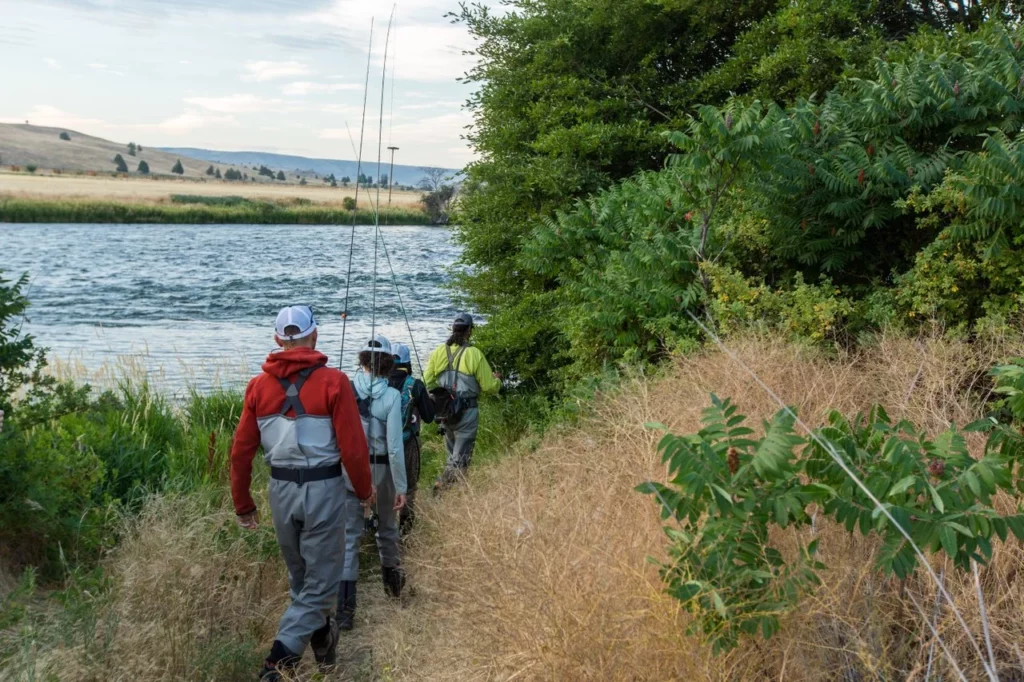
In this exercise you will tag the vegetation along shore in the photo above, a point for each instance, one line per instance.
(187, 209)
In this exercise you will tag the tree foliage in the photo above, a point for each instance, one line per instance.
(572, 99)
(178, 168)
(914, 158)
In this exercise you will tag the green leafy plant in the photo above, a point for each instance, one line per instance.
(727, 490)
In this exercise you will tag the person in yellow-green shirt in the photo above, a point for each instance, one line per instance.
(463, 370)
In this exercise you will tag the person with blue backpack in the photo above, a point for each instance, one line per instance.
(417, 409)
(380, 411)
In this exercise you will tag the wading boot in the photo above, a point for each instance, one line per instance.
(325, 644)
(394, 580)
(347, 605)
(280, 659)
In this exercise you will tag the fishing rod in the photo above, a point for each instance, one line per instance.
(380, 142)
(355, 204)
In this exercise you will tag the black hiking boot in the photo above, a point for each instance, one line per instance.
(280, 659)
(394, 580)
(325, 644)
(347, 605)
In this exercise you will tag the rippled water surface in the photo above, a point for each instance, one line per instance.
(195, 305)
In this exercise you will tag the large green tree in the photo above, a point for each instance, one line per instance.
(574, 95)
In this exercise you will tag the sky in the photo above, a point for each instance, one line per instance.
(281, 76)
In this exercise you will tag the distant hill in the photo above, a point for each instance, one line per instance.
(404, 175)
(25, 145)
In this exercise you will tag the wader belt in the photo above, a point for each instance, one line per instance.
(380, 459)
(301, 476)
(291, 391)
(470, 403)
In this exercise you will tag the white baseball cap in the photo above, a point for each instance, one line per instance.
(401, 352)
(300, 316)
(378, 344)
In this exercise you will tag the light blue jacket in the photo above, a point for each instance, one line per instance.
(386, 409)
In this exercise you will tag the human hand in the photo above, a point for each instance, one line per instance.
(249, 521)
(498, 376)
(399, 502)
(372, 499)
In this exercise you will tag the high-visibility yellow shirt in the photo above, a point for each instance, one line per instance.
(472, 362)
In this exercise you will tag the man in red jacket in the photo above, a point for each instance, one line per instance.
(305, 416)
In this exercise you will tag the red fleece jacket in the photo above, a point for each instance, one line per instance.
(327, 392)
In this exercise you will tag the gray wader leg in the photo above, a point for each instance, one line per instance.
(310, 522)
(459, 442)
(412, 477)
(387, 529)
(353, 535)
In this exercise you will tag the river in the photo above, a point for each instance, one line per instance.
(192, 306)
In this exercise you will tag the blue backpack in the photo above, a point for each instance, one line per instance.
(407, 387)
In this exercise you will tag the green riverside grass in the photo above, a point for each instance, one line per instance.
(186, 209)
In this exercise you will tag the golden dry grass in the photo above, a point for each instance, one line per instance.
(159, 190)
(537, 569)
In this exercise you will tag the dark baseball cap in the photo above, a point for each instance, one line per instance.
(463, 320)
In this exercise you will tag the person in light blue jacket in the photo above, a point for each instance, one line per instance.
(380, 409)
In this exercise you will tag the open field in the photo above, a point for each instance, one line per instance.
(159, 190)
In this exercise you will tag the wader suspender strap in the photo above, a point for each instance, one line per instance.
(291, 391)
(453, 364)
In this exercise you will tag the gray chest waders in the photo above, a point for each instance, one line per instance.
(293, 402)
(371, 518)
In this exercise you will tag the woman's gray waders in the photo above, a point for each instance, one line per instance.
(459, 441)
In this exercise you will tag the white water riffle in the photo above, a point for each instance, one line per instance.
(193, 305)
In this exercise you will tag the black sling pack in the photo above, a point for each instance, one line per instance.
(448, 406)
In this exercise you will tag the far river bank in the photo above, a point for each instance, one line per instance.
(185, 210)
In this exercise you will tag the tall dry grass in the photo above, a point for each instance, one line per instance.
(538, 568)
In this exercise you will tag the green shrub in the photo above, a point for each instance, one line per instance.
(31, 168)
(348, 203)
(803, 312)
(202, 458)
(728, 491)
(48, 496)
(209, 201)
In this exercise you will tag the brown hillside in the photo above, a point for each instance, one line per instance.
(22, 145)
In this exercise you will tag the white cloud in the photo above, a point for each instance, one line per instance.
(188, 121)
(454, 104)
(47, 115)
(104, 69)
(301, 88)
(52, 63)
(266, 70)
(236, 104)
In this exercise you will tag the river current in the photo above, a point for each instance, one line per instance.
(192, 306)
